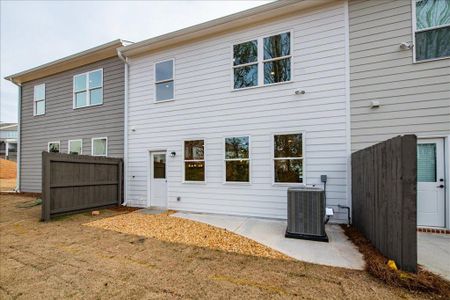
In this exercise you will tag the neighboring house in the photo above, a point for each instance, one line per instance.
(405, 89)
(72, 105)
(224, 116)
(8, 141)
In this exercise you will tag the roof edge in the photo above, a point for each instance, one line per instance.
(64, 63)
(230, 22)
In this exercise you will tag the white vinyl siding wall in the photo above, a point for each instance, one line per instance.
(414, 97)
(207, 108)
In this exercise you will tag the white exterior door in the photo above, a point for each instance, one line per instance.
(158, 181)
(430, 183)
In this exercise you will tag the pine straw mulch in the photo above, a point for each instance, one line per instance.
(8, 169)
(177, 230)
(376, 265)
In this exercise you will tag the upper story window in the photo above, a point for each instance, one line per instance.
(88, 89)
(75, 146)
(164, 80)
(288, 158)
(99, 146)
(53, 147)
(194, 160)
(237, 159)
(245, 64)
(39, 100)
(432, 29)
(262, 61)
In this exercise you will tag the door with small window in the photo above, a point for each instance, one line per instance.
(158, 181)
(430, 183)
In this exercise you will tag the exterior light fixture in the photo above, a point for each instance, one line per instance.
(173, 153)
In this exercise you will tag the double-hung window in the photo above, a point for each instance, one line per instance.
(99, 146)
(237, 159)
(53, 147)
(39, 100)
(245, 64)
(75, 146)
(262, 61)
(194, 160)
(432, 29)
(288, 158)
(164, 80)
(88, 89)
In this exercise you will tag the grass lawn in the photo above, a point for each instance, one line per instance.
(63, 258)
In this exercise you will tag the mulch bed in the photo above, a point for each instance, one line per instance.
(177, 230)
(376, 265)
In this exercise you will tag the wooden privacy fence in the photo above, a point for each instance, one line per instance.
(73, 183)
(384, 189)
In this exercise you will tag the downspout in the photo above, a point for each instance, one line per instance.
(19, 121)
(125, 132)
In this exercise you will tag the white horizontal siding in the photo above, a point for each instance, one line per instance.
(206, 107)
(414, 98)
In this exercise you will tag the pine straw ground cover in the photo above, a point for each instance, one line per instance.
(177, 230)
(376, 265)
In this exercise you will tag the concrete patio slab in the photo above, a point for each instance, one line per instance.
(433, 253)
(339, 252)
(151, 211)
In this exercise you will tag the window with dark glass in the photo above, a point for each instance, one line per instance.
(288, 158)
(164, 82)
(432, 35)
(53, 147)
(237, 159)
(277, 58)
(245, 64)
(194, 160)
(262, 61)
(159, 166)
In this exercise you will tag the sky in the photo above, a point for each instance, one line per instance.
(36, 32)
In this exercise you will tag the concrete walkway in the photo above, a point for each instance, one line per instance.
(433, 252)
(339, 252)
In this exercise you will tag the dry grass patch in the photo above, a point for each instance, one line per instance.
(376, 265)
(177, 230)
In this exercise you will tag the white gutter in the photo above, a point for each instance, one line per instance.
(125, 131)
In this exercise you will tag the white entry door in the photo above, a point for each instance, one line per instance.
(158, 181)
(430, 183)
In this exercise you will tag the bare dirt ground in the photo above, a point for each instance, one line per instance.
(65, 259)
(8, 171)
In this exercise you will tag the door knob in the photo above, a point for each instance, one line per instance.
(441, 186)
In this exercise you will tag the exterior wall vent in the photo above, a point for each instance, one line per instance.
(306, 214)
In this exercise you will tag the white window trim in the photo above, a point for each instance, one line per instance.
(278, 158)
(249, 159)
(92, 145)
(81, 146)
(162, 81)
(88, 94)
(414, 31)
(260, 60)
(35, 101)
(54, 142)
(183, 161)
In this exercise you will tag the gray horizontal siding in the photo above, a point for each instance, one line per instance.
(414, 97)
(63, 123)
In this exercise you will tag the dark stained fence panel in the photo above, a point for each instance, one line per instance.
(384, 190)
(73, 183)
